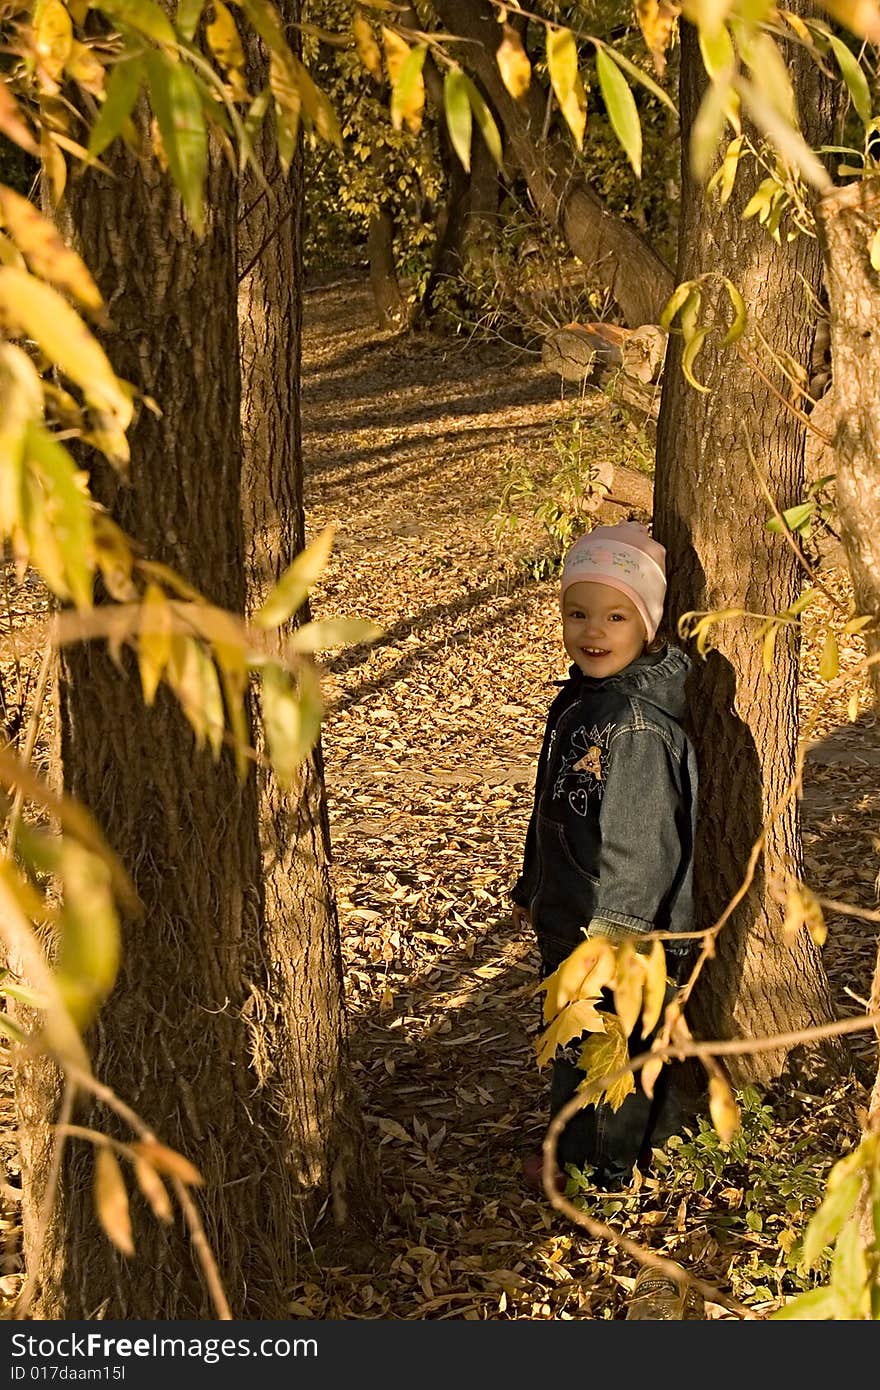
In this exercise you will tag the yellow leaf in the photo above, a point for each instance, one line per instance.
(292, 719)
(396, 53)
(629, 980)
(290, 592)
(31, 308)
(723, 1108)
(167, 1161)
(12, 123)
(367, 47)
(89, 943)
(513, 63)
(57, 517)
(829, 661)
(692, 347)
(657, 23)
(574, 109)
(874, 250)
(408, 91)
(21, 403)
(852, 708)
(154, 640)
(111, 1200)
(602, 1056)
(54, 166)
(562, 62)
(53, 32)
(225, 43)
(580, 1016)
(86, 69)
(46, 252)
(583, 974)
(153, 1188)
(654, 965)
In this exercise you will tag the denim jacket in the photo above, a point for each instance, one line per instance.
(609, 848)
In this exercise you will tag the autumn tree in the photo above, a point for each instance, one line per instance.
(225, 1025)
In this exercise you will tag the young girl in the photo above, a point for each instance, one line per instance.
(609, 849)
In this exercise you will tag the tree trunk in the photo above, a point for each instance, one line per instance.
(849, 218)
(470, 227)
(183, 1037)
(622, 261)
(305, 1028)
(390, 303)
(709, 512)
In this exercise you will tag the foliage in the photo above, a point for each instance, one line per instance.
(564, 495)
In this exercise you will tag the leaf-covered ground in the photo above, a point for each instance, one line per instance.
(430, 742)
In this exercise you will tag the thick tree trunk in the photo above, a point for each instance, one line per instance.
(709, 512)
(183, 1037)
(621, 260)
(849, 219)
(304, 1029)
(470, 226)
(390, 303)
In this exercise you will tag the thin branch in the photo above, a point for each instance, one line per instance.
(771, 386)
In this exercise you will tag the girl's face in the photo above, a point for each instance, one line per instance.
(601, 628)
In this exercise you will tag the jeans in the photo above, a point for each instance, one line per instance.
(610, 1141)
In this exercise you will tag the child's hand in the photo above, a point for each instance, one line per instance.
(519, 917)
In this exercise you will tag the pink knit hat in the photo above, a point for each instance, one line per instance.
(626, 558)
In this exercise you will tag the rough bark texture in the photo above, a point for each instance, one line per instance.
(709, 512)
(304, 1024)
(470, 227)
(848, 221)
(390, 303)
(183, 1037)
(621, 260)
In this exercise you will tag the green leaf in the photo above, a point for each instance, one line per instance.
(317, 107)
(174, 95)
(143, 15)
(621, 107)
(485, 122)
(332, 632)
(849, 1274)
(854, 78)
(66, 512)
(11, 1030)
(797, 519)
(874, 250)
(459, 119)
(836, 1208)
(643, 78)
(815, 1305)
(562, 62)
(290, 592)
(708, 128)
(292, 719)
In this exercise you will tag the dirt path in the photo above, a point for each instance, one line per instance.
(430, 743)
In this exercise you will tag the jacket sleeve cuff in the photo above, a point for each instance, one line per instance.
(519, 894)
(617, 926)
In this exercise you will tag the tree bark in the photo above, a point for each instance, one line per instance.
(183, 1038)
(849, 218)
(305, 1026)
(390, 303)
(709, 512)
(622, 261)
